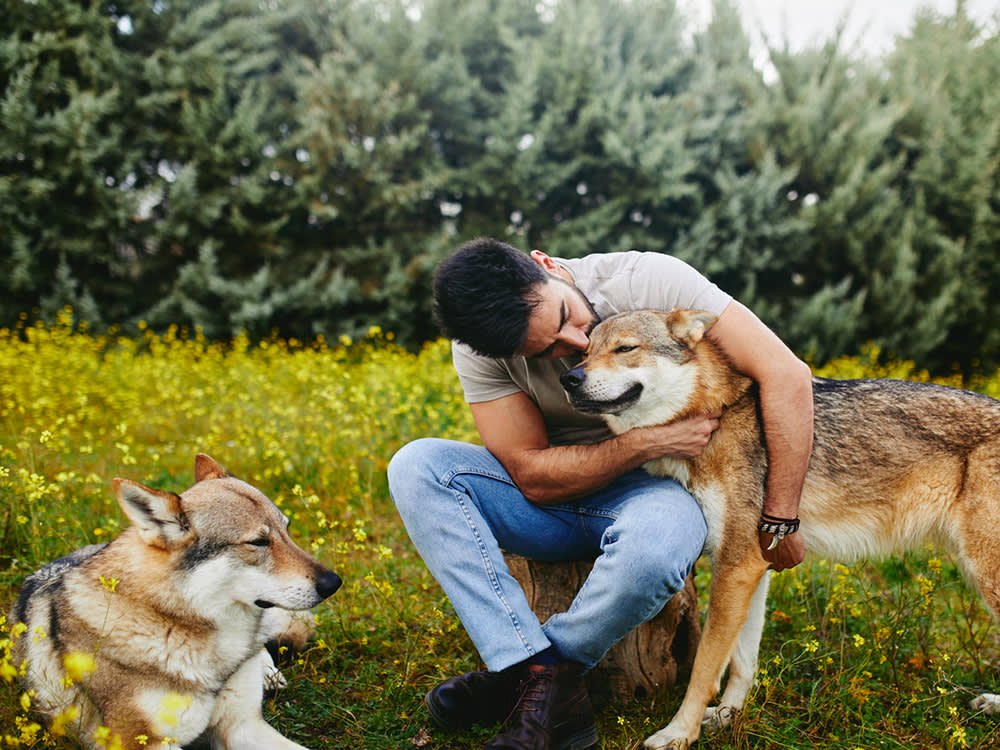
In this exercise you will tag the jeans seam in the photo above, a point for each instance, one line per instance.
(489, 568)
(585, 511)
(448, 476)
(580, 510)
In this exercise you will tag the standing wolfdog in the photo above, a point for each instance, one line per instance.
(172, 615)
(894, 465)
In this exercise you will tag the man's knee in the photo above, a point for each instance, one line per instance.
(666, 544)
(406, 459)
(410, 465)
(423, 468)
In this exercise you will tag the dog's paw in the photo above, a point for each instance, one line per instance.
(719, 717)
(285, 632)
(988, 703)
(666, 739)
(273, 680)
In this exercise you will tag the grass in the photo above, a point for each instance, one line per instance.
(882, 655)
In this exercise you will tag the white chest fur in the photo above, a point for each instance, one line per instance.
(669, 467)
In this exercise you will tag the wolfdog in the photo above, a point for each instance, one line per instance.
(895, 464)
(171, 618)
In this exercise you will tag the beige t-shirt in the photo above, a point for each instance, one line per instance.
(614, 283)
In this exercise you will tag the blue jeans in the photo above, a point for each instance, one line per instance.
(461, 509)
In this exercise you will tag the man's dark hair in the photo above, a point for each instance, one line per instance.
(484, 294)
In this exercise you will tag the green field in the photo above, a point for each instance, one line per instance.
(882, 655)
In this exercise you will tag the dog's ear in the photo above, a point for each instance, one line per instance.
(158, 515)
(690, 326)
(206, 467)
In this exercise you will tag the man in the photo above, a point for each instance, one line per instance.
(552, 484)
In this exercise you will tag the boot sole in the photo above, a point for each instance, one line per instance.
(440, 718)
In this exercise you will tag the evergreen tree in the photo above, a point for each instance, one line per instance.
(301, 167)
(742, 231)
(824, 119)
(65, 155)
(946, 70)
(216, 186)
(584, 138)
(133, 133)
(216, 95)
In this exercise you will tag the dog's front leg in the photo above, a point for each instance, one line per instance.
(988, 703)
(237, 721)
(743, 665)
(733, 588)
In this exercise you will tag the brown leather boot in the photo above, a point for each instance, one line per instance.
(553, 713)
(475, 698)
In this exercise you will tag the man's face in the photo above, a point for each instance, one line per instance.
(560, 324)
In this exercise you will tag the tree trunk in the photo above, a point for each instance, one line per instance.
(647, 659)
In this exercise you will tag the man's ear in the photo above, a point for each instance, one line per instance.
(689, 326)
(545, 261)
(157, 515)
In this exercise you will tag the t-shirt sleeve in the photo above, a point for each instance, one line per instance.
(482, 378)
(664, 282)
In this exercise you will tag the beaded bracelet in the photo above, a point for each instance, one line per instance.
(779, 528)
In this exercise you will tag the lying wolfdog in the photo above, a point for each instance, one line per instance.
(173, 616)
(894, 464)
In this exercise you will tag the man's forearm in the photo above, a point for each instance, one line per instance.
(787, 411)
(565, 473)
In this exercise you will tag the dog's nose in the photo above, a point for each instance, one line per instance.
(327, 583)
(572, 379)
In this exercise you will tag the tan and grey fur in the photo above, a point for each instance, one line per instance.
(894, 465)
(175, 612)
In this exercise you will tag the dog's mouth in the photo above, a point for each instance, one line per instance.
(607, 406)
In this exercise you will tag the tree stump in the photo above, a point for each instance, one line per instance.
(647, 659)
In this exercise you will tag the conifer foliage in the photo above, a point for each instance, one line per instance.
(299, 167)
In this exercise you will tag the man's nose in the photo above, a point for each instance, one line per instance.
(576, 338)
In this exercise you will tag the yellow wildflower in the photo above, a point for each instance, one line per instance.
(68, 716)
(171, 705)
(79, 665)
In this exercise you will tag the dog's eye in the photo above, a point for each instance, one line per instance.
(625, 349)
(264, 541)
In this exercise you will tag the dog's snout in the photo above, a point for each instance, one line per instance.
(327, 582)
(572, 379)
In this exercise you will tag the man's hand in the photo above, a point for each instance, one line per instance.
(789, 552)
(685, 438)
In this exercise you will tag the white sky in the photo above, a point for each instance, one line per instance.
(871, 26)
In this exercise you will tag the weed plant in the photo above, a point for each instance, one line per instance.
(880, 655)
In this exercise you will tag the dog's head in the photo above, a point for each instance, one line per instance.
(640, 367)
(226, 542)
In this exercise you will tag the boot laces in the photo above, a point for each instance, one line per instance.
(534, 690)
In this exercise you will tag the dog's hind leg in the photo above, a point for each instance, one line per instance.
(986, 573)
(979, 530)
(734, 586)
(743, 665)
(237, 721)
(978, 539)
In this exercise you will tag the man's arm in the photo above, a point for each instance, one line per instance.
(785, 384)
(513, 430)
